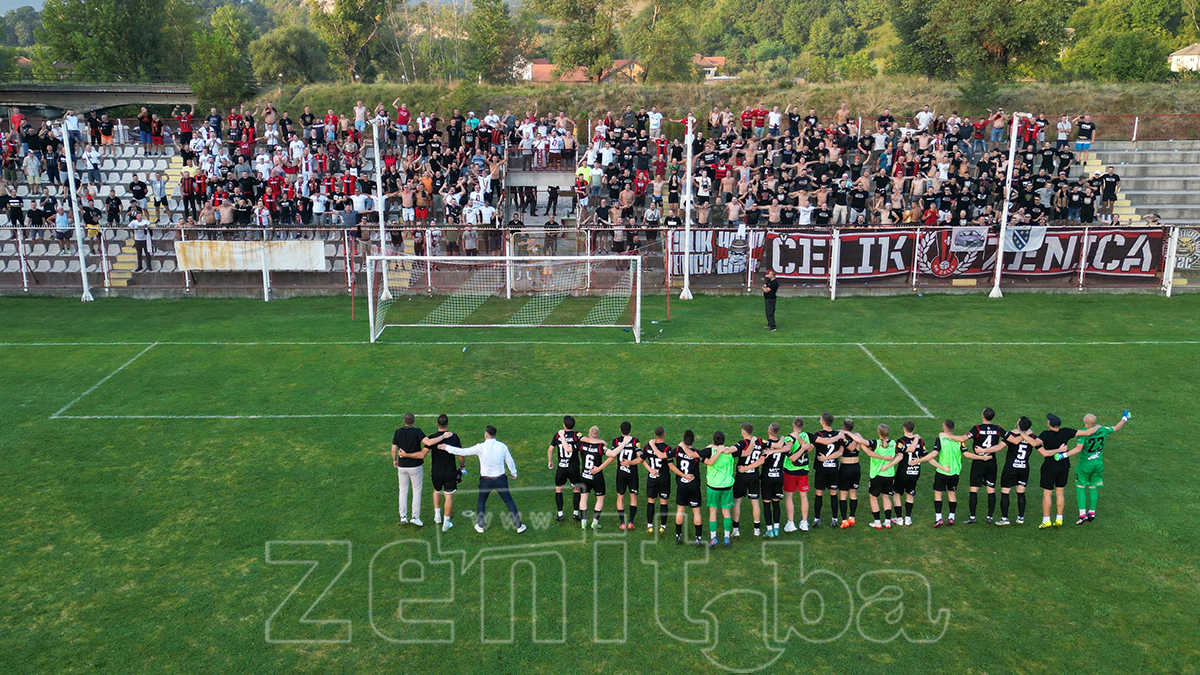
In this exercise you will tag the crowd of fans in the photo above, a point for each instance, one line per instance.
(263, 169)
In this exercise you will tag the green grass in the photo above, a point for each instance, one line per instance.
(139, 545)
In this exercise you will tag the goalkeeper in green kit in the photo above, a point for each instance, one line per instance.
(1089, 470)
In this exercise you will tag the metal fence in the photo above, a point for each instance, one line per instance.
(843, 260)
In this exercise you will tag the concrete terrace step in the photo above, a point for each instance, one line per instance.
(1165, 197)
(1147, 145)
(1149, 156)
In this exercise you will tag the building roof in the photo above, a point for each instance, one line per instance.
(1190, 50)
(541, 70)
(709, 61)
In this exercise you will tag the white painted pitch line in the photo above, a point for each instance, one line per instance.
(1080, 343)
(106, 379)
(896, 380)
(252, 416)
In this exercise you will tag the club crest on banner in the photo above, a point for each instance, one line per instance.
(936, 258)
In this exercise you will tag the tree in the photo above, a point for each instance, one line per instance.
(586, 34)
(217, 77)
(294, 52)
(663, 41)
(231, 23)
(105, 36)
(349, 27)
(179, 28)
(21, 26)
(495, 40)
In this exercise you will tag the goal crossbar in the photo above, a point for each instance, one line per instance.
(504, 292)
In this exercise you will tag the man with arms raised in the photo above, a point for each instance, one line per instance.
(1089, 471)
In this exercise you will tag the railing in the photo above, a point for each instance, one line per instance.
(1164, 127)
(827, 260)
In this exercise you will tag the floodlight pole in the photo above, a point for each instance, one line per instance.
(1012, 157)
(688, 138)
(74, 198)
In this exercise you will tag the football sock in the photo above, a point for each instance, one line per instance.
(953, 505)
(937, 509)
(842, 507)
(908, 509)
(662, 515)
(575, 499)
(833, 505)
(737, 523)
(817, 506)
(767, 513)
(699, 530)
(757, 525)
(728, 526)
(621, 516)
(991, 504)
(853, 506)
(632, 513)
(875, 514)
(1093, 497)
(887, 514)
(974, 502)
(776, 506)
(558, 500)
(1081, 499)
(1004, 499)
(712, 529)
(1021, 504)
(679, 529)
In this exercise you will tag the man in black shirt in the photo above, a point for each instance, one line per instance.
(770, 288)
(987, 439)
(445, 471)
(1110, 184)
(1056, 467)
(408, 456)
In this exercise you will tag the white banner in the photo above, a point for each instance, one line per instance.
(1024, 239)
(248, 256)
(968, 239)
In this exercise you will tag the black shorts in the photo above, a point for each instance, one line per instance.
(1012, 478)
(906, 484)
(1055, 474)
(944, 483)
(882, 485)
(627, 481)
(568, 474)
(848, 476)
(983, 474)
(746, 485)
(595, 484)
(687, 494)
(658, 488)
(826, 478)
(772, 488)
(446, 482)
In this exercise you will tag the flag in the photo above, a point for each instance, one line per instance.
(1022, 239)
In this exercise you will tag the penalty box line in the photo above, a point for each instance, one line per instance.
(106, 378)
(896, 380)
(681, 343)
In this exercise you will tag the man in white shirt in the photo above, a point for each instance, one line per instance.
(655, 122)
(924, 119)
(494, 456)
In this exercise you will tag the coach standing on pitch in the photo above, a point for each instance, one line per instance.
(493, 458)
(769, 288)
(408, 454)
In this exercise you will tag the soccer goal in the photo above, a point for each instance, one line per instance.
(505, 292)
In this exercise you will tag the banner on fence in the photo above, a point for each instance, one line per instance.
(717, 251)
(880, 253)
(247, 256)
(1187, 256)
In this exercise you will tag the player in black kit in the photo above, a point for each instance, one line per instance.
(593, 457)
(686, 468)
(655, 456)
(745, 481)
(627, 453)
(829, 448)
(908, 471)
(566, 444)
(986, 439)
(1016, 469)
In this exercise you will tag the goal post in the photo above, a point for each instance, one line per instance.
(599, 291)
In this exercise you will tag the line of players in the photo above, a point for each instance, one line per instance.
(770, 471)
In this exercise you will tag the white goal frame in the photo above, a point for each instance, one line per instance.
(375, 295)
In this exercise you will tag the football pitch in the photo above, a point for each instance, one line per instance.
(205, 486)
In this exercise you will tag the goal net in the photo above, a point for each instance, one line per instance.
(504, 292)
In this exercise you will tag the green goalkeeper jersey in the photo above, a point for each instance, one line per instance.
(720, 472)
(1093, 446)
